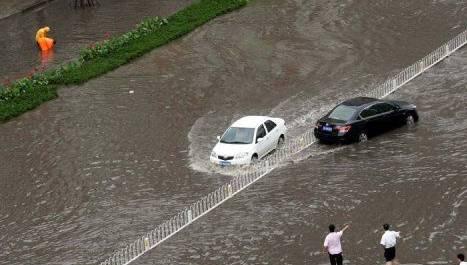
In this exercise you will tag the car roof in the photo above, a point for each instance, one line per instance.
(250, 121)
(359, 101)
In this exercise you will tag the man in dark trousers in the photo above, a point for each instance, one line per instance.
(332, 245)
(388, 241)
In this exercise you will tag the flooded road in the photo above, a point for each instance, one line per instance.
(413, 178)
(88, 173)
(73, 29)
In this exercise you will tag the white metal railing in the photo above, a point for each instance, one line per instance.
(252, 174)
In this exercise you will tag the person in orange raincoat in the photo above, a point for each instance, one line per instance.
(42, 40)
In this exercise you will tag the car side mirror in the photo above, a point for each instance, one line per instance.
(259, 140)
(218, 138)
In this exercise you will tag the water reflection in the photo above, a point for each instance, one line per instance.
(46, 58)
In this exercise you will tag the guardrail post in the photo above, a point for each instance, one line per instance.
(190, 216)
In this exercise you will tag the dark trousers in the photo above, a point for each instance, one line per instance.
(335, 259)
(390, 253)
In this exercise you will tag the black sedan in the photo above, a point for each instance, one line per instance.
(362, 117)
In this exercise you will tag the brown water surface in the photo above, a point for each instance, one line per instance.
(413, 178)
(88, 173)
(73, 29)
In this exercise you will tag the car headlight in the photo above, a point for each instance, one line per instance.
(241, 155)
(213, 154)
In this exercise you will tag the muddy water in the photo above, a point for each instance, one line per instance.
(8, 8)
(413, 178)
(89, 172)
(72, 28)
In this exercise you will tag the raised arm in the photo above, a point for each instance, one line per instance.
(345, 227)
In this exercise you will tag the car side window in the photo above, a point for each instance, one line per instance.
(270, 125)
(368, 113)
(376, 108)
(386, 107)
(260, 133)
(381, 108)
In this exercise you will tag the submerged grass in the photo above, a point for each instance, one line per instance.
(28, 93)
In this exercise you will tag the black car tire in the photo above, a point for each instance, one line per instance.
(362, 137)
(254, 159)
(410, 120)
(280, 142)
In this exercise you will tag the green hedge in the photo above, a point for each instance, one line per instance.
(28, 93)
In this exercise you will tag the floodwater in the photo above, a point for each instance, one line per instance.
(413, 178)
(88, 173)
(73, 29)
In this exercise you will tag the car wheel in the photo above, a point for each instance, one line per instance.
(254, 159)
(362, 137)
(280, 142)
(410, 120)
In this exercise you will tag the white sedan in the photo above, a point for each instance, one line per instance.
(248, 139)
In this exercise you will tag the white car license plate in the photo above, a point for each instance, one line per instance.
(224, 163)
(327, 129)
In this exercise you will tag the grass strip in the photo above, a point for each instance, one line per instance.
(27, 93)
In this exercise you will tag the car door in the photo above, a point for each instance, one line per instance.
(368, 116)
(388, 115)
(391, 115)
(396, 117)
(272, 134)
(378, 119)
(261, 146)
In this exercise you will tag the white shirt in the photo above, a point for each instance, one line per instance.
(388, 240)
(463, 263)
(333, 242)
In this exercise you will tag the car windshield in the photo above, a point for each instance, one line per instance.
(235, 135)
(343, 113)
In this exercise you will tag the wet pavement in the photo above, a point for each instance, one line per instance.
(10, 7)
(91, 171)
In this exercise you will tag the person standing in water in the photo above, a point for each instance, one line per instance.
(42, 33)
(388, 241)
(43, 41)
(332, 245)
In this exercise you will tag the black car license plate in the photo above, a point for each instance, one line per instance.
(327, 129)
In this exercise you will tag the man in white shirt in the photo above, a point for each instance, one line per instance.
(332, 245)
(388, 241)
(461, 259)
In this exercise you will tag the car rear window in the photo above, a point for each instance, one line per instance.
(343, 113)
